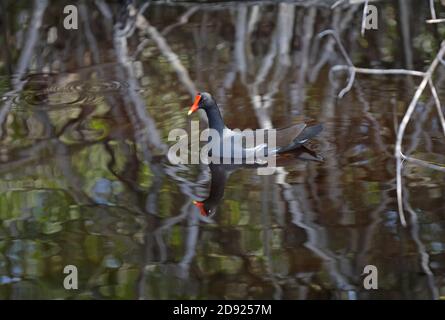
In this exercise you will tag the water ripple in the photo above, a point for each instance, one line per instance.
(42, 91)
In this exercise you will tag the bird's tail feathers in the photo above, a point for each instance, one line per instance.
(302, 138)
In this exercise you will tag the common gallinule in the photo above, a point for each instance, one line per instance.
(287, 139)
(220, 173)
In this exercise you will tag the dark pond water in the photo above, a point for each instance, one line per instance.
(85, 116)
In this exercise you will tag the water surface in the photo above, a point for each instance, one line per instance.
(84, 180)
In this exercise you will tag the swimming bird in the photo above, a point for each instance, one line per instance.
(286, 139)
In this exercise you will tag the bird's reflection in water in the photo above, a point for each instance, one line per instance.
(220, 173)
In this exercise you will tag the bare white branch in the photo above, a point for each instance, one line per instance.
(365, 10)
(434, 18)
(433, 10)
(423, 163)
(404, 124)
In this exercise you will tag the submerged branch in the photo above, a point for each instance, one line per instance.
(25, 56)
(378, 71)
(427, 80)
(423, 163)
(438, 105)
(365, 10)
(168, 53)
(345, 56)
(404, 123)
(434, 18)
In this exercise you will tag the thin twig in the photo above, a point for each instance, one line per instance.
(423, 163)
(365, 10)
(427, 79)
(424, 256)
(183, 19)
(339, 43)
(433, 10)
(404, 124)
(336, 4)
(434, 18)
(353, 70)
(183, 75)
(345, 56)
(379, 71)
(438, 105)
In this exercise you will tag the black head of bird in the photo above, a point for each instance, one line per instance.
(205, 209)
(205, 101)
(202, 101)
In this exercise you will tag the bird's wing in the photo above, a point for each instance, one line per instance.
(286, 136)
(240, 144)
